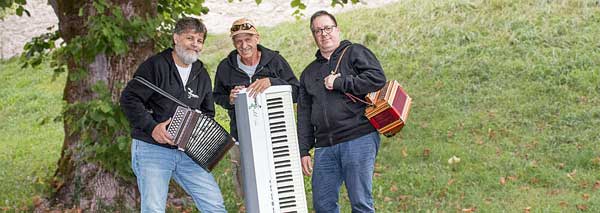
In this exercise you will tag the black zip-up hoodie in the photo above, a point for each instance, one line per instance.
(328, 117)
(271, 65)
(146, 108)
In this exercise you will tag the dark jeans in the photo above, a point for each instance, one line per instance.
(351, 162)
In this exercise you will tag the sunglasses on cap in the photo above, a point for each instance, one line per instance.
(244, 26)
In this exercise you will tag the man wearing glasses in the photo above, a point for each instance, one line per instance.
(250, 66)
(345, 143)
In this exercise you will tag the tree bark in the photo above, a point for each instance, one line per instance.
(78, 183)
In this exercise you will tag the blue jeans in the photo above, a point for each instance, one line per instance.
(155, 165)
(351, 162)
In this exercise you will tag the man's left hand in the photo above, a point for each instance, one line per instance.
(259, 86)
(329, 81)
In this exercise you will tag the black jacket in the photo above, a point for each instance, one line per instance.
(328, 117)
(271, 65)
(145, 108)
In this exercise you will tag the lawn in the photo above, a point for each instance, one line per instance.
(512, 88)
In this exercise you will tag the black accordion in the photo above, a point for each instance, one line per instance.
(200, 137)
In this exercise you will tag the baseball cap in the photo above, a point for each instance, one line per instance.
(243, 25)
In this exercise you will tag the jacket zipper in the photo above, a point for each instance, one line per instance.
(255, 72)
(329, 134)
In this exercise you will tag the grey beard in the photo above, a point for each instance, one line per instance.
(187, 58)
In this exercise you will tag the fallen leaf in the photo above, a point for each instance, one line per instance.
(469, 210)
(403, 197)
(582, 207)
(479, 141)
(426, 152)
(583, 184)
(597, 185)
(376, 174)
(527, 209)
(450, 182)
(492, 114)
(572, 174)
(387, 199)
(404, 153)
(534, 180)
(487, 200)
(533, 163)
(563, 204)
(450, 134)
(512, 178)
(491, 133)
(596, 160)
(502, 180)
(585, 196)
(561, 165)
(37, 201)
(394, 188)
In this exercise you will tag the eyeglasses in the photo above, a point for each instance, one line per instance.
(327, 29)
(244, 26)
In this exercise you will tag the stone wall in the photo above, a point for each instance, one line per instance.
(15, 31)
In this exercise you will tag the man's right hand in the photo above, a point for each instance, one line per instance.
(307, 167)
(161, 135)
(233, 93)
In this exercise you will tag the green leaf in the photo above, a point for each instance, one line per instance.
(105, 107)
(20, 11)
(295, 3)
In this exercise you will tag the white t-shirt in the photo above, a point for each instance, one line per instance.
(184, 73)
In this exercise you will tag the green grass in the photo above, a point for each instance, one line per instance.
(30, 138)
(511, 87)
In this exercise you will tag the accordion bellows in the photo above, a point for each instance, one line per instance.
(389, 109)
(200, 137)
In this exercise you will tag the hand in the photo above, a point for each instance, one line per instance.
(307, 165)
(259, 86)
(160, 134)
(233, 93)
(329, 81)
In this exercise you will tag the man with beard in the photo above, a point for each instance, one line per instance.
(345, 143)
(253, 66)
(154, 157)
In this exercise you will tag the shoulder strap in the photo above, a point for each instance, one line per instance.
(352, 97)
(337, 65)
(159, 90)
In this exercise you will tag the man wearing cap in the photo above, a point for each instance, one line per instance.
(250, 66)
(345, 143)
(154, 157)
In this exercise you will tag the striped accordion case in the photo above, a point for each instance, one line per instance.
(389, 108)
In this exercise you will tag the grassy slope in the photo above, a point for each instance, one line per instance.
(510, 87)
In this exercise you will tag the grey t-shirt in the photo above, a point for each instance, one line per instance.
(248, 69)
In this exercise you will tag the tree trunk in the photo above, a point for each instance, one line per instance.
(78, 183)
